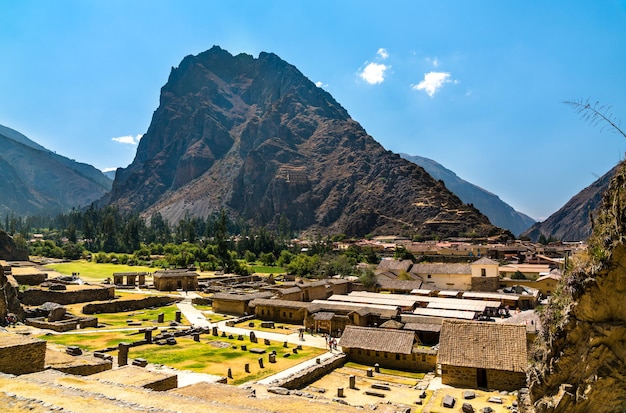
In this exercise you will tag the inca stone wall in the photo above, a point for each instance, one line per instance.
(37, 296)
(9, 302)
(21, 354)
(119, 306)
(305, 377)
(496, 379)
(420, 362)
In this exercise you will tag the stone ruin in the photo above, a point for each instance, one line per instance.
(10, 306)
(53, 316)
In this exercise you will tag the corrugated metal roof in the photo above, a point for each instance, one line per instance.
(463, 305)
(434, 312)
(407, 302)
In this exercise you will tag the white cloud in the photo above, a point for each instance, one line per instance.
(382, 53)
(128, 139)
(109, 170)
(433, 81)
(321, 85)
(374, 73)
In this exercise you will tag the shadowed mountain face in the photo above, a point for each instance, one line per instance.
(498, 212)
(571, 222)
(256, 137)
(36, 181)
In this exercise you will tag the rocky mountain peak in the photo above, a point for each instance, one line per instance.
(256, 137)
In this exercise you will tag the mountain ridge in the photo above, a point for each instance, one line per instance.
(37, 181)
(499, 212)
(572, 221)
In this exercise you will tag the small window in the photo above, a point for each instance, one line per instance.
(424, 358)
(428, 276)
(284, 314)
(368, 352)
(397, 357)
(377, 355)
(483, 272)
(404, 357)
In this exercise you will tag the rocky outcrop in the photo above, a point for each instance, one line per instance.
(580, 357)
(255, 137)
(9, 303)
(9, 250)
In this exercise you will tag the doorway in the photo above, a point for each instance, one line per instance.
(481, 378)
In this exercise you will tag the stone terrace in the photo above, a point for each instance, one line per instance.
(58, 391)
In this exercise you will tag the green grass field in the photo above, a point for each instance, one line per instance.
(212, 355)
(203, 357)
(93, 271)
(262, 269)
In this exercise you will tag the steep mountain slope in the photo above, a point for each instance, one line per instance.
(571, 222)
(579, 362)
(34, 180)
(256, 137)
(498, 211)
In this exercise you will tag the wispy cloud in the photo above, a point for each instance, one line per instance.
(374, 73)
(382, 53)
(128, 139)
(433, 61)
(321, 85)
(433, 81)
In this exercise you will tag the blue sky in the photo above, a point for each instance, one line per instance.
(477, 86)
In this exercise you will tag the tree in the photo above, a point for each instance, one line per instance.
(368, 278)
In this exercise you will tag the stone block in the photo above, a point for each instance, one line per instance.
(467, 408)
(448, 401)
(73, 350)
(468, 395)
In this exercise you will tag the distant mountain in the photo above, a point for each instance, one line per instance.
(571, 222)
(255, 137)
(109, 174)
(499, 212)
(35, 180)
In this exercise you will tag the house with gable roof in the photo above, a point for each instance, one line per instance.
(478, 354)
(389, 348)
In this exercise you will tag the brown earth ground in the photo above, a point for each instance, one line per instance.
(403, 391)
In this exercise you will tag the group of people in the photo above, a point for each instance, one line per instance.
(331, 342)
(10, 320)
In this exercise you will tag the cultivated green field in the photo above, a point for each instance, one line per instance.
(262, 269)
(94, 271)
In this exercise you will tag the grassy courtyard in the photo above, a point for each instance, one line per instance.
(91, 271)
(211, 355)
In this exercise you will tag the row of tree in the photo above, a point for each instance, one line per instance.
(108, 235)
